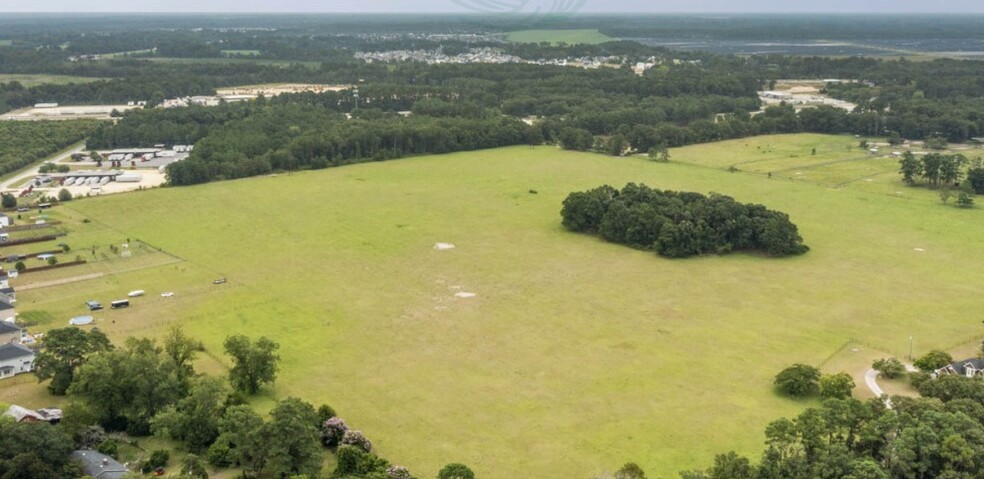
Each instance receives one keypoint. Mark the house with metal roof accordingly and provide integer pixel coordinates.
(23, 414)
(99, 466)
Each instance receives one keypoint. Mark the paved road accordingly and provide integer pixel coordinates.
(9, 184)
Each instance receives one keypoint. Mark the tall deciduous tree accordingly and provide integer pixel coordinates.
(242, 437)
(253, 363)
(837, 386)
(293, 440)
(182, 349)
(798, 380)
(910, 168)
(64, 350)
(126, 387)
(194, 420)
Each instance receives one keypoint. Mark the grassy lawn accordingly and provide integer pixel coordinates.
(241, 52)
(282, 63)
(571, 37)
(576, 355)
(34, 79)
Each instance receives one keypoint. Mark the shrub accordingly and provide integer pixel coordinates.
(325, 412)
(918, 378)
(109, 448)
(836, 386)
(890, 368)
(332, 431)
(20, 266)
(630, 470)
(219, 454)
(798, 380)
(455, 471)
(158, 459)
(8, 201)
(52, 261)
(90, 437)
(353, 461)
(357, 439)
(933, 360)
(192, 466)
(64, 195)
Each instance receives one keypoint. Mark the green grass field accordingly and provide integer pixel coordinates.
(6, 43)
(576, 355)
(570, 37)
(250, 53)
(35, 79)
(280, 63)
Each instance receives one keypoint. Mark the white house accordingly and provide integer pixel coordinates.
(4, 220)
(15, 358)
(7, 312)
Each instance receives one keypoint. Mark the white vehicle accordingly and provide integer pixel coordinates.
(134, 294)
(167, 294)
(69, 181)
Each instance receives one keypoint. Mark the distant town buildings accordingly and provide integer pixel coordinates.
(483, 55)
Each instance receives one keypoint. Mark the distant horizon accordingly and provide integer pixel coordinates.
(490, 14)
(506, 7)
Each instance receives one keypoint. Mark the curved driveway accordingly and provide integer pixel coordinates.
(871, 380)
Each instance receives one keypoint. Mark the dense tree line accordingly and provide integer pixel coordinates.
(919, 438)
(142, 387)
(292, 137)
(23, 143)
(680, 224)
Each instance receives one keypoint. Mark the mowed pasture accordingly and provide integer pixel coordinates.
(29, 80)
(587, 36)
(575, 356)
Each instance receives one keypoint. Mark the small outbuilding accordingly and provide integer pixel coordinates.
(23, 414)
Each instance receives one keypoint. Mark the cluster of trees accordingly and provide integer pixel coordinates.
(292, 137)
(800, 380)
(680, 224)
(944, 172)
(847, 438)
(35, 451)
(25, 142)
(143, 388)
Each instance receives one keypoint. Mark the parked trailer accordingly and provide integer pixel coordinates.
(69, 182)
(104, 180)
(120, 303)
(136, 293)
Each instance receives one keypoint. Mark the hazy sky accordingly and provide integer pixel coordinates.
(517, 6)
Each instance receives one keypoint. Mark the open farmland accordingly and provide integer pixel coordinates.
(29, 80)
(587, 36)
(575, 355)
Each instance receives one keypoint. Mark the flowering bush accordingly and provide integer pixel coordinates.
(332, 431)
(398, 472)
(357, 439)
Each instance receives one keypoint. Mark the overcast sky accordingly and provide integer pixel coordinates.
(517, 6)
